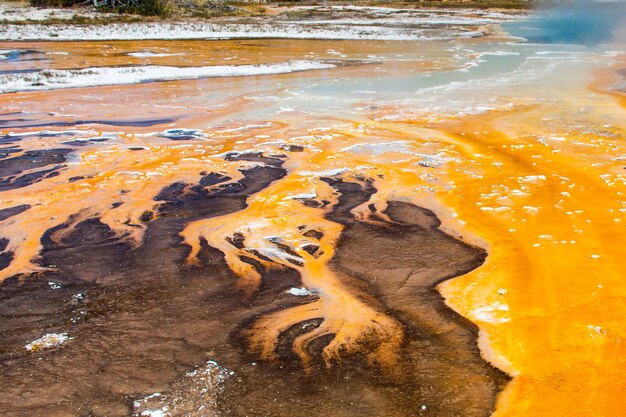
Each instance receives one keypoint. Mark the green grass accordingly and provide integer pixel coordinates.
(160, 8)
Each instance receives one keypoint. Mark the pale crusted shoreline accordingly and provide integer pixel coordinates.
(101, 76)
(170, 31)
(331, 23)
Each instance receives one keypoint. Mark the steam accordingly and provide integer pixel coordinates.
(583, 22)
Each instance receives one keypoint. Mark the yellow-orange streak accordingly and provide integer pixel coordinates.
(275, 218)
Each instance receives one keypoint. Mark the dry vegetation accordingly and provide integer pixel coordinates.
(208, 9)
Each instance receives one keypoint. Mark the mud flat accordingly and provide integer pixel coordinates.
(140, 318)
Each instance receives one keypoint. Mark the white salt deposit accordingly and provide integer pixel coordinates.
(148, 54)
(100, 76)
(47, 341)
(300, 292)
(400, 146)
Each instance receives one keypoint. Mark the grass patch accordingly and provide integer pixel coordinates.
(210, 13)
(160, 8)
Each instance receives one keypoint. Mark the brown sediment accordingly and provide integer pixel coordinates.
(395, 266)
(141, 318)
(17, 172)
(125, 123)
(12, 211)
